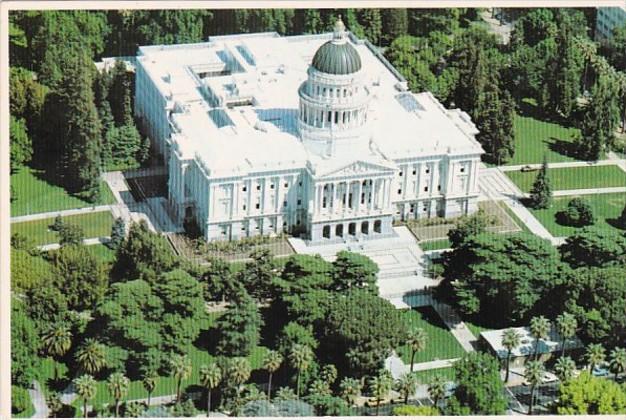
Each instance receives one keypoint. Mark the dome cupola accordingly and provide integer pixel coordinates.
(337, 56)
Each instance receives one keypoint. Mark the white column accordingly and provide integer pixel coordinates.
(360, 190)
(371, 195)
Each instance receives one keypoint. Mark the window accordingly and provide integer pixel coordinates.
(299, 202)
(298, 222)
(284, 204)
(438, 187)
(258, 206)
(462, 169)
(414, 172)
(300, 183)
(243, 228)
(258, 187)
(286, 185)
(244, 207)
(427, 170)
(244, 189)
(272, 185)
(425, 188)
(400, 191)
(400, 173)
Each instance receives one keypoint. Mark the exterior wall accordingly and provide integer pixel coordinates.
(151, 108)
(607, 19)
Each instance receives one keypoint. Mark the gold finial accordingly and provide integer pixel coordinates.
(340, 29)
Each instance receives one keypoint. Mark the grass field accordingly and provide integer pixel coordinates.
(103, 252)
(440, 344)
(93, 224)
(427, 376)
(606, 207)
(535, 138)
(33, 194)
(573, 178)
(436, 244)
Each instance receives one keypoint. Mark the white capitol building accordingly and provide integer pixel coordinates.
(314, 134)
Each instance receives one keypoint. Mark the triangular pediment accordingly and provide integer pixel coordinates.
(356, 168)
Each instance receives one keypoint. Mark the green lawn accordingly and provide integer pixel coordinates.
(440, 344)
(606, 207)
(535, 138)
(105, 253)
(475, 328)
(436, 244)
(35, 195)
(573, 178)
(93, 224)
(426, 376)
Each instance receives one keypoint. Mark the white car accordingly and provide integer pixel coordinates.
(548, 377)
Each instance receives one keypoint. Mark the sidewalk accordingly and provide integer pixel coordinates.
(90, 241)
(613, 161)
(456, 325)
(39, 401)
(63, 213)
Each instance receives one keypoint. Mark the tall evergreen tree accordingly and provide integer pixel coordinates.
(372, 24)
(541, 192)
(312, 21)
(395, 23)
(495, 122)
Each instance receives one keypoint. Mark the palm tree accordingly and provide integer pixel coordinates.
(329, 374)
(595, 355)
(118, 388)
(566, 325)
(437, 389)
(149, 382)
(407, 385)
(380, 386)
(271, 363)
(238, 372)
(91, 356)
(57, 341)
(618, 361)
(416, 341)
(350, 389)
(564, 368)
(534, 375)
(300, 358)
(180, 368)
(511, 338)
(540, 329)
(210, 377)
(86, 389)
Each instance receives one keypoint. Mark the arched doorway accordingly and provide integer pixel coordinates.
(365, 227)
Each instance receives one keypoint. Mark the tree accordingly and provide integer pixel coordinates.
(564, 368)
(79, 275)
(210, 377)
(424, 21)
(495, 124)
(589, 395)
(180, 369)
(617, 362)
(622, 218)
(57, 342)
(350, 389)
(118, 233)
(239, 328)
(395, 23)
(578, 213)
(71, 234)
(514, 276)
(354, 270)
(511, 338)
(329, 374)
(593, 247)
(25, 344)
(566, 326)
(540, 330)
(91, 356)
(300, 357)
(86, 389)
(412, 410)
(294, 333)
(118, 387)
(541, 191)
(594, 355)
(407, 385)
(54, 403)
(358, 331)
(142, 255)
(372, 24)
(597, 296)
(600, 118)
(479, 387)
(21, 146)
(237, 373)
(380, 386)
(271, 363)
(312, 21)
(534, 375)
(437, 389)
(416, 340)
(468, 226)
(258, 274)
(149, 382)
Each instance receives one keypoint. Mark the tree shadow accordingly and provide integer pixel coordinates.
(616, 223)
(562, 147)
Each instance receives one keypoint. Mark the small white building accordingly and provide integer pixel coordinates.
(313, 134)
(492, 342)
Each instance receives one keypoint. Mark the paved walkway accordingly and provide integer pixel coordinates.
(63, 213)
(455, 324)
(89, 241)
(39, 401)
(397, 367)
(614, 160)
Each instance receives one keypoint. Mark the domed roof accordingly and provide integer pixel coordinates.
(337, 56)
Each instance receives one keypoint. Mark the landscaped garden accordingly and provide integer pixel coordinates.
(34, 194)
(573, 178)
(606, 207)
(93, 225)
(440, 344)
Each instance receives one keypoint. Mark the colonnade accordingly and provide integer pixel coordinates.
(353, 196)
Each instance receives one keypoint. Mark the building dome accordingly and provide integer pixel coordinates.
(337, 56)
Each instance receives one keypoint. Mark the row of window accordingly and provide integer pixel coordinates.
(272, 186)
(427, 170)
(258, 205)
(334, 92)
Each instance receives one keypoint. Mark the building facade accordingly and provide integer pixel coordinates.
(607, 19)
(315, 135)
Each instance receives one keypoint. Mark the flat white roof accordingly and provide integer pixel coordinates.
(527, 342)
(235, 103)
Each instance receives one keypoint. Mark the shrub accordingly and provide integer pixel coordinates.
(412, 410)
(578, 213)
(20, 400)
